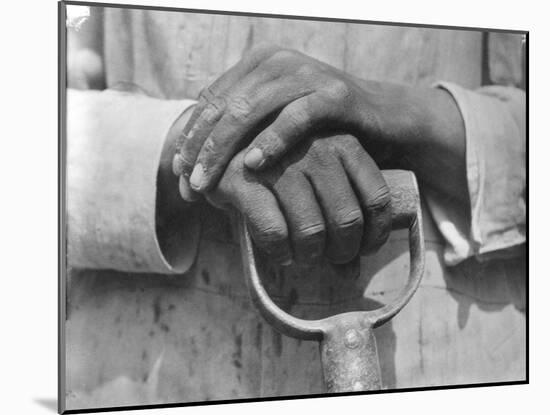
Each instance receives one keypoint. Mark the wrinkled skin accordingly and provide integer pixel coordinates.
(326, 198)
(296, 94)
(274, 98)
(270, 105)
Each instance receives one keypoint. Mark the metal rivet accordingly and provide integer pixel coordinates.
(352, 339)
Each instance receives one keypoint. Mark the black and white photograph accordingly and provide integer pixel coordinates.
(261, 207)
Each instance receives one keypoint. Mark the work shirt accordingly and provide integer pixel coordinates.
(146, 326)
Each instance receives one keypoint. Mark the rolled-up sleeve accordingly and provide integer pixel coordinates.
(495, 125)
(114, 142)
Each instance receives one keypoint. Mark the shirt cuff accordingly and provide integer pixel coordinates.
(114, 142)
(494, 121)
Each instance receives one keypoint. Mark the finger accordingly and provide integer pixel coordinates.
(185, 190)
(342, 213)
(210, 106)
(203, 123)
(183, 162)
(227, 80)
(306, 226)
(295, 121)
(266, 222)
(373, 193)
(248, 105)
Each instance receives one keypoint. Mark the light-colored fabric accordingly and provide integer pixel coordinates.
(144, 339)
(114, 143)
(175, 55)
(196, 48)
(141, 339)
(494, 120)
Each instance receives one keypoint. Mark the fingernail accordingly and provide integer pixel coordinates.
(177, 164)
(185, 190)
(197, 177)
(254, 159)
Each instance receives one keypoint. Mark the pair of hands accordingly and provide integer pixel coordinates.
(327, 196)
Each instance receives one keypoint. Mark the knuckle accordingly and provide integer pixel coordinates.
(346, 141)
(209, 149)
(283, 54)
(213, 110)
(337, 90)
(217, 105)
(349, 219)
(380, 200)
(298, 117)
(318, 148)
(206, 94)
(264, 49)
(310, 233)
(239, 110)
(379, 211)
(306, 70)
(271, 235)
(348, 145)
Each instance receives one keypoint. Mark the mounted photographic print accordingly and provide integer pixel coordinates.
(258, 207)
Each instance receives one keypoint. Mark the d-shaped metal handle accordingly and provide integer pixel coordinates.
(348, 346)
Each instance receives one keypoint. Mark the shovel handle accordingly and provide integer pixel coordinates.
(348, 347)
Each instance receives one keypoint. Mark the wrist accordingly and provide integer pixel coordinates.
(404, 126)
(389, 122)
(422, 130)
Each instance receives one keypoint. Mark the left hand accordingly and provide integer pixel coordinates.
(326, 198)
(276, 97)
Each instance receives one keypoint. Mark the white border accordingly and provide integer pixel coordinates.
(29, 204)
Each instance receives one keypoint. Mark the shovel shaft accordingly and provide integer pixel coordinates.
(350, 359)
(348, 347)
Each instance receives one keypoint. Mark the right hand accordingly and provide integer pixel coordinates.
(326, 198)
(270, 101)
(273, 99)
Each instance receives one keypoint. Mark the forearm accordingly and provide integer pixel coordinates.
(466, 147)
(418, 129)
(468, 150)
